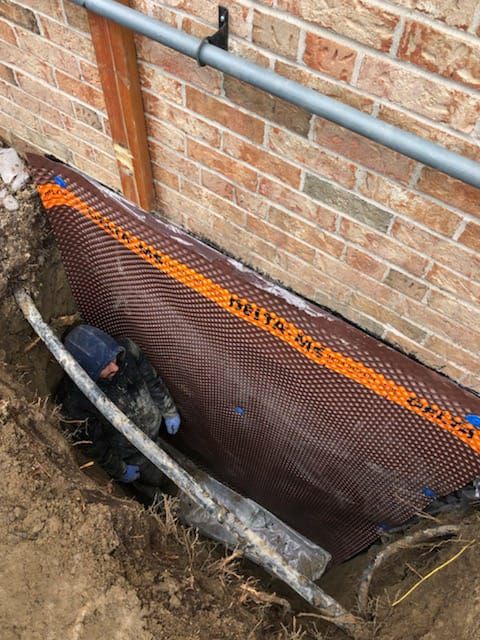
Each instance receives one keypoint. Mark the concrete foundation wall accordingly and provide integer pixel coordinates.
(391, 245)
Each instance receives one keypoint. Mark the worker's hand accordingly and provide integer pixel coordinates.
(132, 473)
(172, 424)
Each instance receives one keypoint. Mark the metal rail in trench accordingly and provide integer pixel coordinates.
(259, 547)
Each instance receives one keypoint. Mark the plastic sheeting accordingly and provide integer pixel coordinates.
(329, 429)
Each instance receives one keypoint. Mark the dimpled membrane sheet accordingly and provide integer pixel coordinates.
(337, 434)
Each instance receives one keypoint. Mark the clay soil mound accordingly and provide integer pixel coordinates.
(82, 560)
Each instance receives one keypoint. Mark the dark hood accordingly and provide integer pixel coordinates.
(92, 348)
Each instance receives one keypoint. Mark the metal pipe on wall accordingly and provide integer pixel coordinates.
(409, 144)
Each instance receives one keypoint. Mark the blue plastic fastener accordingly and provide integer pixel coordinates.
(429, 493)
(383, 526)
(60, 181)
(240, 411)
(473, 419)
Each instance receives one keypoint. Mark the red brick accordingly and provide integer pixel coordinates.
(223, 164)
(165, 177)
(439, 325)
(88, 116)
(296, 202)
(159, 13)
(413, 236)
(174, 117)
(174, 162)
(18, 14)
(360, 20)
(440, 52)
(49, 7)
(33, 106)
(451, 308)
(451, 353)
(308, 233)
(245, 50)
(471, 236)
(68, 38)
(168, 88)
(212, 202)
(6, 74)
(410, 204)
(168, 135)
(96, 148)
(447, 280)
(30, 64)
(7, 34)
(229, 117)
(261, 160)
(295, 148)
(439, 102)
(84, 92)
(450, 190)
(46, 52)
(208, 11)
(434, 360)
(252, 202)
(196, 28)
(405, 284)
(362, 150)
(340, 92)
(24, 115)
(383, 247)
(180, 67)
(386, 317)
(99, 171)
(451, 255)
(329, 57)
(410, 123)
(282, 241)
(364, 263)
(27, 139)
(267, 106)
(457, 13)
(176, 207)
(230, 239)
(275, 35)
(47, 94)
(76, 16)
(471, 380)
(89, 73)
(445, 253)
(218, 185)
(357, 280)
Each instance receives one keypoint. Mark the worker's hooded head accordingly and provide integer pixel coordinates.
(92, 348)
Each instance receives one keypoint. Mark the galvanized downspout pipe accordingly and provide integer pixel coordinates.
(258, 547)
(392, 137)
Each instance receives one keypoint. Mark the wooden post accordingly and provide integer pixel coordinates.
(117, 64)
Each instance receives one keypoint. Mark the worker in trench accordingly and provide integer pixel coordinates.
(128, 379)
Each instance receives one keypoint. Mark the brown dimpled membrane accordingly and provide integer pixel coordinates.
(336, 433)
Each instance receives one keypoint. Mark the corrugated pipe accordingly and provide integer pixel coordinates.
(392, 137)
(258, 546)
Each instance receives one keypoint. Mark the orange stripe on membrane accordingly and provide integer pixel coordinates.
(53, 195)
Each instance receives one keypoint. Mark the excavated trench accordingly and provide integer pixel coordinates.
(81, 554)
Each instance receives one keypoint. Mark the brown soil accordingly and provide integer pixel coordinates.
(80, 559)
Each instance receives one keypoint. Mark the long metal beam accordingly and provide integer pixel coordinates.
(408, 144)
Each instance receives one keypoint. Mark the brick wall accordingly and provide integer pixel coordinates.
(391, 245)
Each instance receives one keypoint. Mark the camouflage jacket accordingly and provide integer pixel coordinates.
(137, 390)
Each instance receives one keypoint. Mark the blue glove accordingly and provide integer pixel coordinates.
(132, 473)
(473, 419)
(172, 423)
